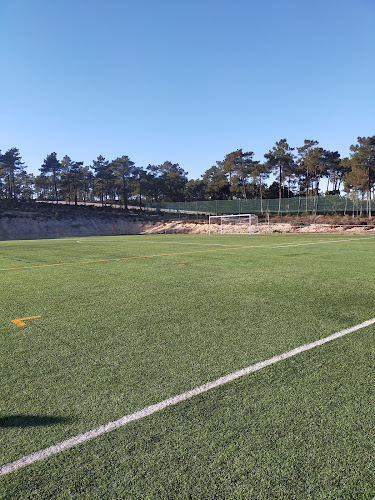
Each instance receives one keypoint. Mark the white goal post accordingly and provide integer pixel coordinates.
(233, 224)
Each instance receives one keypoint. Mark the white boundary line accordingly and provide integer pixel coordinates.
(361, 237)
(149, 410)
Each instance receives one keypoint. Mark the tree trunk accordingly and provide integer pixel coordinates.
(353, 214)
(244, 188)
(125, 195)
(369, 204)
(10, 187)
(307, 188)
(280, 174)
(14, 185)
(369, 193)
(55, 187)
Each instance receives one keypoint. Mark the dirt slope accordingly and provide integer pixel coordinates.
(62, 221)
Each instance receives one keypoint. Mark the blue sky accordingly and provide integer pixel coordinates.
(185, 81)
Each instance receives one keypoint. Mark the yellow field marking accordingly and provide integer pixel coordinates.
(191, 252)
(20, 321)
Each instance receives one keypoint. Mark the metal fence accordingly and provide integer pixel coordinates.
(297, 205)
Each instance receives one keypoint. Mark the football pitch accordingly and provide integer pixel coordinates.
(109, 345)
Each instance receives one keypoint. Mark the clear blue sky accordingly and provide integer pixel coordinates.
(183, 80)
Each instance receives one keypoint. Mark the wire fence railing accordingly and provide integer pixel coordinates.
(333, 204)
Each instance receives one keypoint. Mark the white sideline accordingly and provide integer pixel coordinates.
(365, 237)
(80, 438)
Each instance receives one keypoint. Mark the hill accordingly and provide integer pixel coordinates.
(34, 220)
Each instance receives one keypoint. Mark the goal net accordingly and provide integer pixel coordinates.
(233, 224)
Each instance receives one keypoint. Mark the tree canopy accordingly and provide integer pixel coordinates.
(291, 171)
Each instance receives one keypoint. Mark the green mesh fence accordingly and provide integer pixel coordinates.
(297, 205)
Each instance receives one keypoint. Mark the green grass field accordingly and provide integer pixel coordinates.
(128, 321)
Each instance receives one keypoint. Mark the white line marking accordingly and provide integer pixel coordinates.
(318, 242)
(149, 410)
(360, 237)
(188, 243)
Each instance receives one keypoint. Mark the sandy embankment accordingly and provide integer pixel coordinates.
(16, 225)
(32, 226)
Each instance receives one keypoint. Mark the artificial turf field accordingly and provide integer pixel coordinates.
(128, 321)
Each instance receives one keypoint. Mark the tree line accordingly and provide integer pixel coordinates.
(308, 170)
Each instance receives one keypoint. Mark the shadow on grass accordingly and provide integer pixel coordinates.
(32, 420)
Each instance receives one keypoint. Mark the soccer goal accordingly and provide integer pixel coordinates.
(233, 224)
